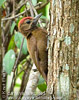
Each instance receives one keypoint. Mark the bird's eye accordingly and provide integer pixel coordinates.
(28, 21)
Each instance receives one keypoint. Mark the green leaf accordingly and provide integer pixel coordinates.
(43, 17)
(23, 8)
(1, 2)
(18, 40)
(12, 43)
(18, 19)
(12, 27)
(17, 85)
(41, 84)
(47, 11)
(8, 61)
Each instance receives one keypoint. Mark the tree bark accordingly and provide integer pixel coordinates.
(63, 53)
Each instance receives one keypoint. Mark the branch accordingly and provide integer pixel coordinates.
(13, 7)
(13, 17)
(15, 66)
(36, 7)
(25, 79)
(17, 9)
(32, 84)
(35, 12)
(40, 5)
(41, 96)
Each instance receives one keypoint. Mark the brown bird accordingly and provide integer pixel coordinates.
(36, 43)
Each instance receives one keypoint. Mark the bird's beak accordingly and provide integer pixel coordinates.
(36, 19)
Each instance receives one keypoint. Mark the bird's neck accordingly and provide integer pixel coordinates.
(28, 33)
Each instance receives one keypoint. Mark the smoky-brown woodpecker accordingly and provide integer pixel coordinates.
(36, 43)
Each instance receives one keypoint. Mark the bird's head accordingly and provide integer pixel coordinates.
(28, 23)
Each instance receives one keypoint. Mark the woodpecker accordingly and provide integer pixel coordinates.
(36, 42)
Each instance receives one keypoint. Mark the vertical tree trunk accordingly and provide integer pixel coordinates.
(63, 62)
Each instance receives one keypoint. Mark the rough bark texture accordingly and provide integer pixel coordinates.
(63, 53)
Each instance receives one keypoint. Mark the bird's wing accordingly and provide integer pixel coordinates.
(37, 57)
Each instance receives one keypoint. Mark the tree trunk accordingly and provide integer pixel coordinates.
(63, 53)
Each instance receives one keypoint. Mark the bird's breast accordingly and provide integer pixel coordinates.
(31, 45)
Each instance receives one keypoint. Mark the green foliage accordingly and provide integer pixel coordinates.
(18, 40)
(41, 84)
(12, 27)
(20, 67)
(22, 9)
(47, 10)
(8, 61)
(18, 19)
(43, 17)
(11, 43)
(1, 2)
(17, 85)
(43, 10)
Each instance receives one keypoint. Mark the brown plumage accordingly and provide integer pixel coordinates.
(36, 43)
